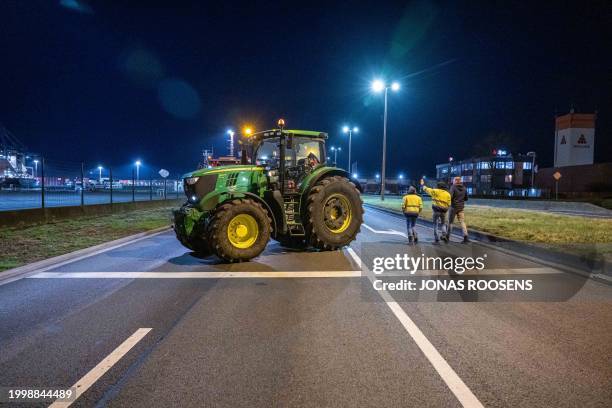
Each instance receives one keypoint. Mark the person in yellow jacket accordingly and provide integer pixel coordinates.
(440, 201)
(412, 205)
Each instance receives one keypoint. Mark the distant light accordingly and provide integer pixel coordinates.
(378, 85)
(355, 129)
(450, 159)
(395, 86)
(333, 148)
(264, 157)
(401, 176)
(355, 175)
(100, 167)
(377, 175)
(339, 149)
(36, 161)
(193, 198)
(345, 129)
(138, 162)
(230, 132)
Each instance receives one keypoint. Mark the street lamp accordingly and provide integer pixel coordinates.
(379, 86)
(336, 150)
(350, 131)
(100, 174)
(533, 157)
(138, 164)
(35, 168)
(231, 133)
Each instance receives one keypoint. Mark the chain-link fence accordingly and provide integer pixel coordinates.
(54, 183)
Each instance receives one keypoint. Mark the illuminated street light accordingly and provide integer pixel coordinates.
(378, 86)
(35, 168)
(401, 176)
(231, 134)
(377, 176)
(138, 164)
(350, 131)
(336, 150)
(100, 174)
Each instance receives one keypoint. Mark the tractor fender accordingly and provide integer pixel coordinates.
(255, 197)
(327, 172)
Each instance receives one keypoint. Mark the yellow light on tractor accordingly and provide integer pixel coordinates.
(248, 131)
(281, 123)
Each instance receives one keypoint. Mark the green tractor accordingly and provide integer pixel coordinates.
(287, 193)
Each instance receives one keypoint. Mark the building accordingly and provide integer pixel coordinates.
(502, 173)
(574, 139)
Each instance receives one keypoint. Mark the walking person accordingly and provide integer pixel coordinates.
(440, 201)
(412, 205)
(459, 196)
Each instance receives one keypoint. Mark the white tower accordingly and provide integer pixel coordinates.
(574, 139)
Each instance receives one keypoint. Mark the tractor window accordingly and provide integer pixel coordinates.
(268, 152)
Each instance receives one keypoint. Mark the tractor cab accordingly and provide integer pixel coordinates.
(288, 155)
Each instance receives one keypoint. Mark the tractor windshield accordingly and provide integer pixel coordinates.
(297, 153)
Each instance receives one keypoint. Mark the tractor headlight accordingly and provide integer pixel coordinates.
(191, 180)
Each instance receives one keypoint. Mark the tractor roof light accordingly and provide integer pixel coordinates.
(281, 123)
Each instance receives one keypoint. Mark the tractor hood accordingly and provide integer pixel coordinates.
(222, 169)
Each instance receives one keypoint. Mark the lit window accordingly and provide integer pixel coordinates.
(527, 166)
(508, 178)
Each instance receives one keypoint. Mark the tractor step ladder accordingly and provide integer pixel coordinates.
(292, 214)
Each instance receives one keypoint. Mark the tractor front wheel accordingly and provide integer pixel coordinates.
(239, 230)
(334, 213)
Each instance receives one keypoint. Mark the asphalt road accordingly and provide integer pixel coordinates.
(303, 329)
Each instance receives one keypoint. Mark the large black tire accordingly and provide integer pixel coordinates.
(218, 236)
(196, 241)
(328, 225)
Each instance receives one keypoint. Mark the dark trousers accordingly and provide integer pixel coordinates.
(411, 224)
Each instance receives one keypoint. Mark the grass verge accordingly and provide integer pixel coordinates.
(23, 245)
(566, 233)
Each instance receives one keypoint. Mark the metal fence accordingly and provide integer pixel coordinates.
(55, 183)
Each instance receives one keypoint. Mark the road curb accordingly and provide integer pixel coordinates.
(558, 260)
(20, 272)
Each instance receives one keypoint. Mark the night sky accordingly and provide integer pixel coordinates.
(114, 81)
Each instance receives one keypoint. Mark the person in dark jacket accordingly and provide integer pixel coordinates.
(459, 196)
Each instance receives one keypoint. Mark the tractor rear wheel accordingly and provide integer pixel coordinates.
(334, 213)
(239, 230)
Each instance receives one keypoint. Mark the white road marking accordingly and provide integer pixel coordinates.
(389, 232)
(446, 372)
(194, 275)
(98, 371)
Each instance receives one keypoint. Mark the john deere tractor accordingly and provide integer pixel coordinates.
(283, 190)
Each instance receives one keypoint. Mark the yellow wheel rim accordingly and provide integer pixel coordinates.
(338, 213)
(242, 231)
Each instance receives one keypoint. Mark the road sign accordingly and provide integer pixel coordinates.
(164, 173)
(557, 175)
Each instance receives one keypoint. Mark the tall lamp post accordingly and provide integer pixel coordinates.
(336, 150)
(379, 86)
(35, 168)
(138, 164)
(100, 174)
(231, 134)
(349, 130)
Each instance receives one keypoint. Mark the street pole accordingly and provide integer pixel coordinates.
(82, 184)
(150, 187)
(384, 152)
(349, 158)
(42, 178)
(133, 187)
(110, 176)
